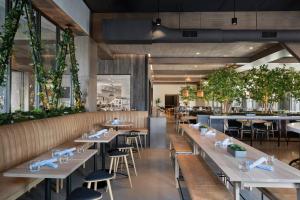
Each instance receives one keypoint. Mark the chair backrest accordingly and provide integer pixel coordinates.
(25, 140)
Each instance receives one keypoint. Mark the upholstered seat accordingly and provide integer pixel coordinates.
(116, 153)
(83, 193)
(99, 175)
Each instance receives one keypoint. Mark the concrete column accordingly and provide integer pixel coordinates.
(86, 54)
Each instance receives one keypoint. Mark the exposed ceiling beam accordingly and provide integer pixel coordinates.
(182, 72)
(264, 60)
(104, 52)
(293, 48)
(266, 52)
(197, 60)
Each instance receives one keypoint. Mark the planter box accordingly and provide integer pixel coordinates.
(235, 153)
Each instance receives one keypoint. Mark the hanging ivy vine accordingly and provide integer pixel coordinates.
(49, 84)
(66, 46)
(10, 26)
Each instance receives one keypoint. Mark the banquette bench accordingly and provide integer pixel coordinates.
(26, 140)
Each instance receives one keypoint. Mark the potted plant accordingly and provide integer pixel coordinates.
(203, 129)
(157, 102)
(225, 86)
(236, 150)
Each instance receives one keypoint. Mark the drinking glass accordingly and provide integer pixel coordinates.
(63, 159)
(244, 166)
(54, 152)
(80, 149)
(270, 159)
(32, 167)
(84, 135)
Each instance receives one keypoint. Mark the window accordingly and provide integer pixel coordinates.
(3, 90)
(23, 95)
(48, 41)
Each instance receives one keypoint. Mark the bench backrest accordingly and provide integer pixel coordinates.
(25, 140)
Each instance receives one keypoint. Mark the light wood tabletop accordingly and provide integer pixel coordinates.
(62, 172)
(104, 138)
(186, 118)
(122, 124)
(295, 127)
(283, 176)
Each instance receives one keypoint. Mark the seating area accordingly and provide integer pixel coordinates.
(149, 100)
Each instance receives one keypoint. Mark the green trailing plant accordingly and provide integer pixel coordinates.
(10, 27)
(66, 46)
(268, 86)
(225, 86)
(157, 102)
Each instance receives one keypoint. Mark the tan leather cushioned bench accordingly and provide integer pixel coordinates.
(280, 193)
(26, 140)
(200, 181)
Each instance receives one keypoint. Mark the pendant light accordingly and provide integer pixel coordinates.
(158, 19)
(185, 91)
(234, 20)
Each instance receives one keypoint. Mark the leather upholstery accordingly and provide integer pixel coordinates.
(23, 141)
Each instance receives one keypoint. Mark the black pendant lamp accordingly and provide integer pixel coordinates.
(234, 20)
(158, 19)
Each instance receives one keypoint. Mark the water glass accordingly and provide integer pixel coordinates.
(84, 135)
(80, 149)
(32, 167)
(244, 166)
(63, 159)
(270, 159)
(54, 151)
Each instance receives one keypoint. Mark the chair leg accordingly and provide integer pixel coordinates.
(89, 184)
(176, 172)
(140, 141)
(137, 147)
(61, 184)
(95, 185)
(111, 164)
(57, 185)
(133, 162)
(116, 164)
(109, 190)
(128, 172)
(145, 141)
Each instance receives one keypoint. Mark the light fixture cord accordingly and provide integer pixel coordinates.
(234, 8)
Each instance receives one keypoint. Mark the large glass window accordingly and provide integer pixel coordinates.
(2, 89)
(48, 37)
(23, 95)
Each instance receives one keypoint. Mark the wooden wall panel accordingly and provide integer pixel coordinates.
(136, 67)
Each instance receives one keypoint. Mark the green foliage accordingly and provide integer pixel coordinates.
(268, 86)
(7, 38)
(224, 85)
(294, 84)
(20, 116)
(157, 101)
(192, 93)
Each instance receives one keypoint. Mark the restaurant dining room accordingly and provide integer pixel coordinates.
(149, 99)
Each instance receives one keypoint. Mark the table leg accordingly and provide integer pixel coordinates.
(236, 191)
(252, 133)
(279, 132)
(47, 189)
(95, 158)
(102, 146)
(69, 185)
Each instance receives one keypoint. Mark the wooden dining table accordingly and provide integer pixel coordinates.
(102, 140)
(64, 170)
(283, 176)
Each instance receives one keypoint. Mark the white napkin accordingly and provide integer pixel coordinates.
(210, 133)
(223, 143)
(258, 162)
(196, 125)
(98, 134)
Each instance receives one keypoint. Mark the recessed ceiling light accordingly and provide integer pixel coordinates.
(151, 67)
(149, 55)
(197, 53)
(251, 48)
(188, 79)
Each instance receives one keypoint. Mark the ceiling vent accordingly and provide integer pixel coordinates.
(268, 34)
(188, 33)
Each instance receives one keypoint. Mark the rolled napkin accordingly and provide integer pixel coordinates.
(257, 162)
(98, 134)
(262, 166)
(224, 143)
(116, 122)
(64, 152)
(196, 125)
(53, 165)
(47, 162)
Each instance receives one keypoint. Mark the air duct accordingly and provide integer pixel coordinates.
(142, 32)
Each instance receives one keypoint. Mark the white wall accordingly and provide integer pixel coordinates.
(160, 90)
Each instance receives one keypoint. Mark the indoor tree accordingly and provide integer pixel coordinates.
(188, 93)
(225, 86)
(268, 86)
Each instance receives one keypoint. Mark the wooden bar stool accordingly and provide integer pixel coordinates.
(131, 139)
(99, 176)
(83, 193)
(128, 149)
(115, 156)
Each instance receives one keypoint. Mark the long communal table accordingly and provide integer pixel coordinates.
(279, 118)
(64, 170)
(283, 176)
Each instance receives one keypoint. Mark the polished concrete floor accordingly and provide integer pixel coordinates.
(155, 180)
